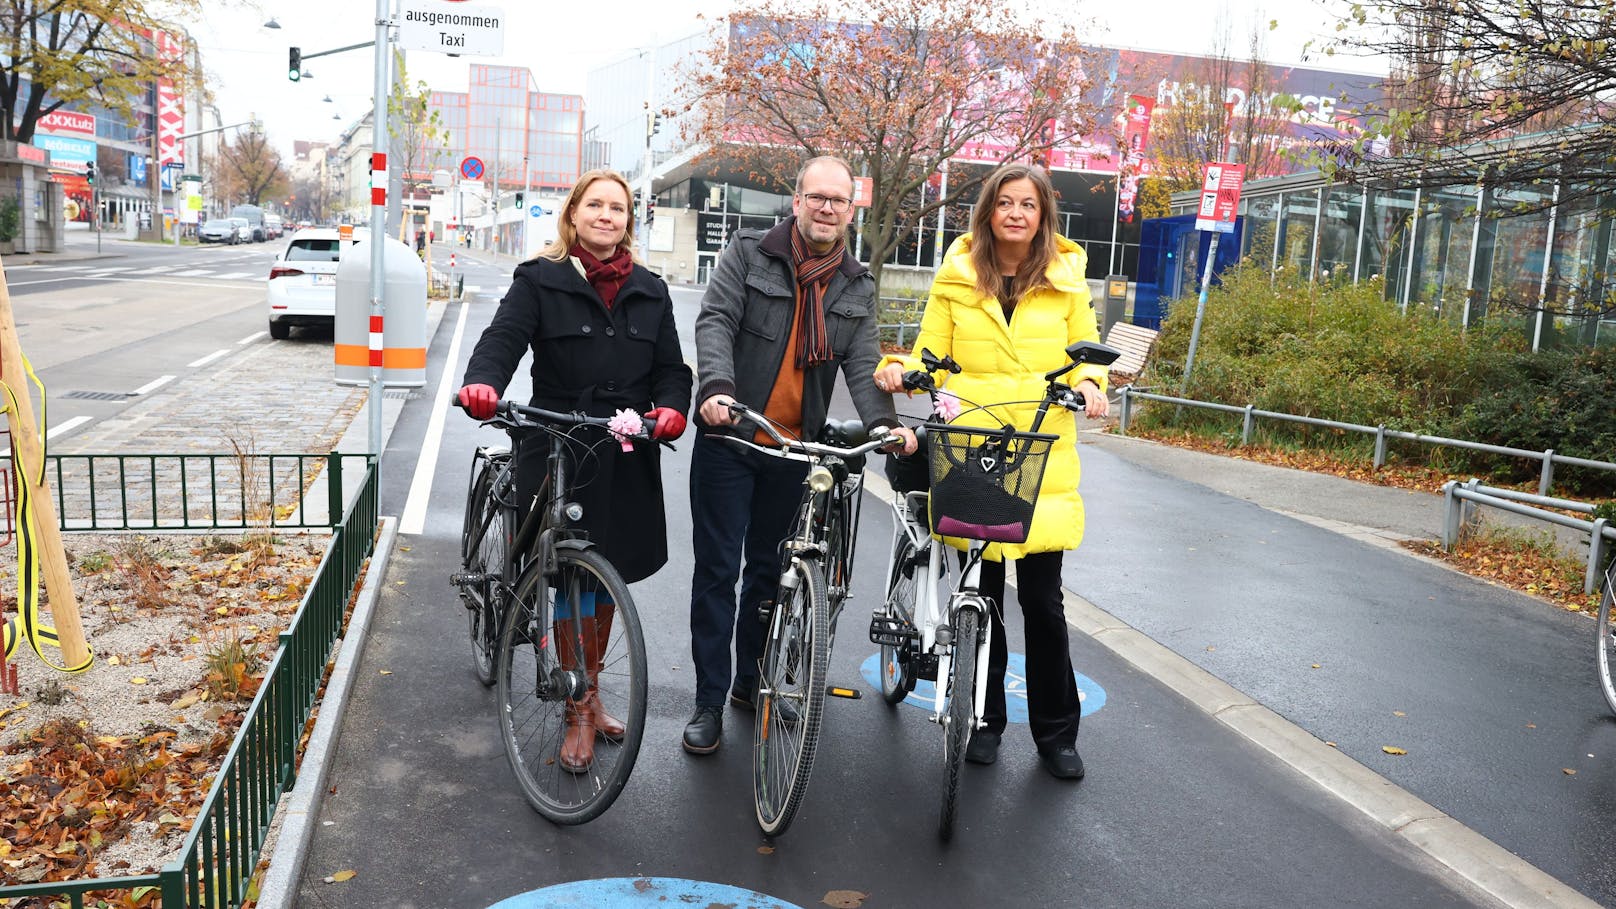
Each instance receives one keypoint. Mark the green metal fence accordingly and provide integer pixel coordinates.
(192, 491)
(219, 854)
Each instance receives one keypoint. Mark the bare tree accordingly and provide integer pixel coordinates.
(1504, 92)
(897, 87)
(250, 169)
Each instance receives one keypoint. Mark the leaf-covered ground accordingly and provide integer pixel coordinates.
(1517, 563)
(102, 773)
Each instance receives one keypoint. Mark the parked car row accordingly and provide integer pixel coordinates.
(240, 230)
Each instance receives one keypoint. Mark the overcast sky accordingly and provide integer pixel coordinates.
(561, 41)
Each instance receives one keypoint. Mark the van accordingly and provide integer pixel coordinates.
(255, 219)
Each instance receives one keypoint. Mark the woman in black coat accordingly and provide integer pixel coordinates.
(602, 334)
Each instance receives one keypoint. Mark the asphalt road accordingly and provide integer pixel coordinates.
(1176, 811)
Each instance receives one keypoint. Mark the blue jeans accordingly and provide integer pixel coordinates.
(740, 501)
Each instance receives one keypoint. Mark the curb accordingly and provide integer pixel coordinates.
(1478, 861)
(297, 815)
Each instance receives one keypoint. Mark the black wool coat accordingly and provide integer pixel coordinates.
(595, 360)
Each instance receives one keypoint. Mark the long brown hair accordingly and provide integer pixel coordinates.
(984, 258)
(566, 236)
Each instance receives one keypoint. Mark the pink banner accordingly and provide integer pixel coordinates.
(170, 109)
(1135, 133)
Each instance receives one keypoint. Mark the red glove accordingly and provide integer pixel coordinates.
(479, 400)
(670, 423)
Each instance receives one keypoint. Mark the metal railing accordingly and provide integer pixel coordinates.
(1455, 495)
(219, 855)
(1548, 458)
(899, 333)
(191, 491)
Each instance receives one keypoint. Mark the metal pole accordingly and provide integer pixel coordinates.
(493, 208)
(1200, 310)
(649, 165)
(378, 229)
(1111, 258)
(942, 193)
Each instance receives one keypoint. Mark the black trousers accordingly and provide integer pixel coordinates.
(1053, 707)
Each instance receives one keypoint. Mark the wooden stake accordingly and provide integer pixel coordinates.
(25, 439)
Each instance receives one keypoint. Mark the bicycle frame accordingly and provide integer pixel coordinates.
(933, 624)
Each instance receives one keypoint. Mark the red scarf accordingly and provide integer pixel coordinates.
(813, 274)
(605, 277)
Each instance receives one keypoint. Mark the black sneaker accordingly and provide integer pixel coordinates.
(984, 747)
(1062, 762)
(743, 693)
(705, 730)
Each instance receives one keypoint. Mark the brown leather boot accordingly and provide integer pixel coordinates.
(578, 747)
(597, 634)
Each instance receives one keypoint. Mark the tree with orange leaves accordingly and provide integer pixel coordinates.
(897, 87)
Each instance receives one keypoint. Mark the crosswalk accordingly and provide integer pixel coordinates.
(228, 270)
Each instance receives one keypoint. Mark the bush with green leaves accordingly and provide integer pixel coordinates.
(10, 219)
(1343, 352)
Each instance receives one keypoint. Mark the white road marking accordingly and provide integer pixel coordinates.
(209, 358)
(252, 337)
(413, 520)
(238, 275)
(153, 385)
(192, 273)
(64, 426)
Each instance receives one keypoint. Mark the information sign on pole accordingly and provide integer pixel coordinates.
(451, 28)
(1220, 196)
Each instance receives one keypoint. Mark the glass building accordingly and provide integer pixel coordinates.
(1463, 251)
(524, 137)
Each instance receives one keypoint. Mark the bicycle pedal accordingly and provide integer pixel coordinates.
(764, 610)
(890, 632)
(837, 691)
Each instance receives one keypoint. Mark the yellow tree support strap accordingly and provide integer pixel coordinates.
(33, 626)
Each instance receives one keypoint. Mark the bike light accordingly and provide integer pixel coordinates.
(574, 512)
(820, 480)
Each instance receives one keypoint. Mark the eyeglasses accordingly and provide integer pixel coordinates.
(837, 204)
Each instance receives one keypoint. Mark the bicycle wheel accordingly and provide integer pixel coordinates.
(791, 699)
(908, 564)
(1607, 639)
(961, 703)
(485, 546)
(571, 643)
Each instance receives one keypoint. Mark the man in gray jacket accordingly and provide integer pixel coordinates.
(784, 309)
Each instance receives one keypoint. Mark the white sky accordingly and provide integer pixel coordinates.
(562, 41)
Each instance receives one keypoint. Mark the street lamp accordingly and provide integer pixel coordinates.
(272, 23)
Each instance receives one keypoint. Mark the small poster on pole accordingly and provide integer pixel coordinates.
(1220, 196)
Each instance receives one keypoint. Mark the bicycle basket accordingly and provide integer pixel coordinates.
(984, 482)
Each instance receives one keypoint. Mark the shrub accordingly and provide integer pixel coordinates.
(10, 219)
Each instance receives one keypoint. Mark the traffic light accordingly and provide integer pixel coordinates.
(89, 172)
(519, 199)
(294, 64)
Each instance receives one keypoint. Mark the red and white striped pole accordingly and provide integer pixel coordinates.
(378, 226)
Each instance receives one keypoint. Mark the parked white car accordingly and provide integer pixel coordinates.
(303, 281)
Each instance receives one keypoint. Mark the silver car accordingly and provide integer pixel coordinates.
(218, 230)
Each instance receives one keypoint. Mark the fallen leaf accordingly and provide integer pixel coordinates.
(1392, 749)
(113, 661)
(187, 701)
(1331, 744)
(1398, 713)
(138, 680)
(390, 672)
(845, 899)
(765, 850)
(1210, 648)
(1531, 725)
(222, 610)
(340, 876)
(1568, 771)
(1318, 665)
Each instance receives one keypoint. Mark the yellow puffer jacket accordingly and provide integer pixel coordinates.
(1007, 362)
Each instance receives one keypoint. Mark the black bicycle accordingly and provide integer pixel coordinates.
(553, 626)
(816, 571)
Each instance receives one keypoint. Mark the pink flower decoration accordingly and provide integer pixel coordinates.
(625, 424)
(946, 406)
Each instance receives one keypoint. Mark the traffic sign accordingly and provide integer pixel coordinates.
(535, 211)
(471, 167)
(427, 25)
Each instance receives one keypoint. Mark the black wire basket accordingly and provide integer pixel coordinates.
(984, 482)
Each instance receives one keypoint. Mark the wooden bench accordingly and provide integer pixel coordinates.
(1135, 342)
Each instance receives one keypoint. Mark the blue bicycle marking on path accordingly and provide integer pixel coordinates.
(631, 892)
(1089, 692)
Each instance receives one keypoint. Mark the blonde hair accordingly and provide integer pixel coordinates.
(984, 253)
(561, 247)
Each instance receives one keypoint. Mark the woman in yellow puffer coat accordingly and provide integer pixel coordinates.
(1010, 297)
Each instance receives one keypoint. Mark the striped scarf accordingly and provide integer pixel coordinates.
(813, 274)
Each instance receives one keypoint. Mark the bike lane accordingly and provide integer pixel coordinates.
(1176, 810)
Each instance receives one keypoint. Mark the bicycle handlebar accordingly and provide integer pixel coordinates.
(797, 448)
(515, 415)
